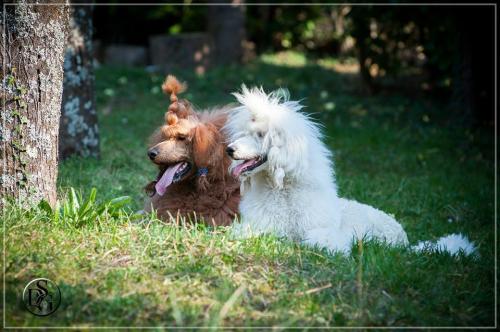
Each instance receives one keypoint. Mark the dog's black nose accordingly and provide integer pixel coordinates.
(152, 153)
(230, 151)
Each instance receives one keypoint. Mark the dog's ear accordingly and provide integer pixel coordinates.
(207, 153)
(286, 155)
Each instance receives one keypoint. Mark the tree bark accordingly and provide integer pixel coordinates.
(226, 25)
(360, 17)
(33, 46)
(78, 131)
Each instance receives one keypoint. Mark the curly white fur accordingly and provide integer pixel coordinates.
(294, 194)
(454, 244)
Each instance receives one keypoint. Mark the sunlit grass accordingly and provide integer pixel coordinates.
(285, 58)
(296, 60)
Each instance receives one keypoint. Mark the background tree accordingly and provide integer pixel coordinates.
(78, 132)
(32, 61)
(226, 24)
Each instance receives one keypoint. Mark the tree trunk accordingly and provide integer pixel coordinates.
(32, 67)
(78, 132)
(474, 80)
(361, 33)
(226, 25)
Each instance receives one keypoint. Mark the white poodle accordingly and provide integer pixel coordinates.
(287, 179)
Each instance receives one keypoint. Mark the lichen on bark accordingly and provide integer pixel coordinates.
(32, 53)
(78, 134)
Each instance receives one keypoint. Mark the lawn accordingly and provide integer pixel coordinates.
(404, 155)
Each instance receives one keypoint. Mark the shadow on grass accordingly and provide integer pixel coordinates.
(287, 285)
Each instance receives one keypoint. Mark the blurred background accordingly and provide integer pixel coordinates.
(444, 52)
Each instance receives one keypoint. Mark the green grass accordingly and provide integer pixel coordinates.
(402, 155)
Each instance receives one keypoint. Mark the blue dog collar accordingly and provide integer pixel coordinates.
(202, 171)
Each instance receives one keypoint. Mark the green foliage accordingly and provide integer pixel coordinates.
(304, 28)
(78, 211)
(18, 115)
(437, 48)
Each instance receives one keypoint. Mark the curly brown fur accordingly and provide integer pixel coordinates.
(172, 86)
(178, 109)
(194, 138)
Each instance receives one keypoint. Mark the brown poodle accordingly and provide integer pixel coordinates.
(189, 150)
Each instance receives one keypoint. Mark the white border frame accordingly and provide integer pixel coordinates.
(276, 4)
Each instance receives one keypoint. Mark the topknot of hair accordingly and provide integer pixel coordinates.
(172, 86)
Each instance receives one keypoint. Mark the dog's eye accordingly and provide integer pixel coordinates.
(181, 137)
(260, 134)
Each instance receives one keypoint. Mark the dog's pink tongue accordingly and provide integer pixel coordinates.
(166, 179)
(236, 171)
